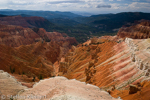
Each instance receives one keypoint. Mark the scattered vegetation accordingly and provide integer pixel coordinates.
(23, 73)
(35, 29)
(12, 70)
(40, 77)
(33, 79)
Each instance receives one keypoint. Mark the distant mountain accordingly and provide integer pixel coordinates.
(28, 22)
(67, 14)
(82, 13)
(64, 22)
(80, 27)
(6, 10)
(112, 21)
(45, 14)
(24, 15)
(2, 15)
(97, 25)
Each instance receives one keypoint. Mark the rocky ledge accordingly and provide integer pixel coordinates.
(56, 88)
(140, 53)
(60, 88)
(9, 86)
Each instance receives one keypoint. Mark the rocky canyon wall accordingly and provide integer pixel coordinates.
(139, 30)
(110, 63)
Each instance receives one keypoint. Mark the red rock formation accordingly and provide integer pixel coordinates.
(110, 63)
(143, 94)
(16, 35)
(29, 56)
(26, 22)
(23, 61)
(137, 31)
(107, 62)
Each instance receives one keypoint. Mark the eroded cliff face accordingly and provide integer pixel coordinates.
(26, 22)
(111, 64)
(140, 30)
(29, 60)
(140, 53)
(34, 60)
(31, 53)
(16, 35)
(141, 92)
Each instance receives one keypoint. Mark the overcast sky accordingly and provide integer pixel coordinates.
(92, 6)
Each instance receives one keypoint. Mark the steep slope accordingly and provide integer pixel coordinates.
(34, 53)
(34, 60)
(26, 60)
(141, 94)
(60, 88)
(140, 30)
(108, 62)
(9, 86)
(16, 35)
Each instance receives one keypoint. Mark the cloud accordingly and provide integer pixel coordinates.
(78, 5)
(19, 2)
(135, 0)
(139, 5)
(103, 6)
(71, 1)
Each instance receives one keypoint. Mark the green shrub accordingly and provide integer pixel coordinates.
(40, 77)
(12, 70)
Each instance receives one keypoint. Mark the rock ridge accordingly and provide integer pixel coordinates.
(140, 54)
(60, 88)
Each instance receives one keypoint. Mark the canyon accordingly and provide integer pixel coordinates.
(31, 52)
(54, 65)
(115, 64)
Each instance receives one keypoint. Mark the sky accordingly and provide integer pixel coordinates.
(90, 6)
